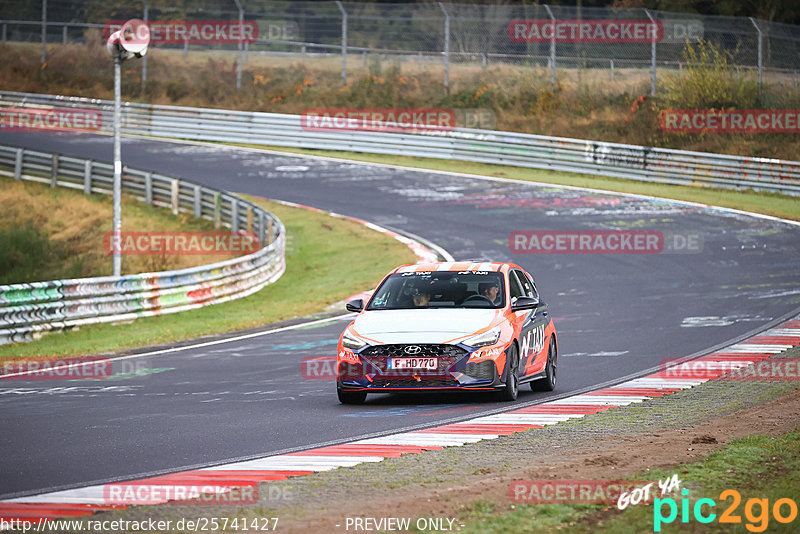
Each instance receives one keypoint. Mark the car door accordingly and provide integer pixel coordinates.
(533, 355)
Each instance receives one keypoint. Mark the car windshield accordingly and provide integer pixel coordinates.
(440, 289)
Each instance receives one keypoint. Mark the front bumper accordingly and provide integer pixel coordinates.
(454, 370)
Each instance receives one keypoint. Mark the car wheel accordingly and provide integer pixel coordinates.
(548, 383)
(511, 389)
(351, 397)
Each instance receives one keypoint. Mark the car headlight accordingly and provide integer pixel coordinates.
(489, 337)
(352, 342)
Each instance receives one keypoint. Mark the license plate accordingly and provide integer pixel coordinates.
(413, 363)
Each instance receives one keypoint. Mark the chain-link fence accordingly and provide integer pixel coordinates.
(567, 41)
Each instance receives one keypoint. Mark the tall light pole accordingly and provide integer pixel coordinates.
(130, 41)
(44, 32)
(239, 61)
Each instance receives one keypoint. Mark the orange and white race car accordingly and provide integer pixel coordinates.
(448, 326)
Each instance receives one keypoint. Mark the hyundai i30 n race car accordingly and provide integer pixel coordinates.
(448, 326)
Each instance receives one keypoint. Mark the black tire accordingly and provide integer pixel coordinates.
(351, 397)
(548, 383)
(511, 389)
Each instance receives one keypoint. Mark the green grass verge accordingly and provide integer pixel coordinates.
(774, 204)
(328, 259)
(57, 233)
(757, 467)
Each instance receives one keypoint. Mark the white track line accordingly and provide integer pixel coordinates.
(199, 345)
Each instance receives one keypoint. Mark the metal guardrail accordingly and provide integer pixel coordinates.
(26, 309)
(486, 146)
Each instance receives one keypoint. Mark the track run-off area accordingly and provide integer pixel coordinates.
(725, 276)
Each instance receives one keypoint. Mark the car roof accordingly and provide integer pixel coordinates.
(458, 266)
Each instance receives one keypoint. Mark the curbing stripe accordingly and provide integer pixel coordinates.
(757, 348)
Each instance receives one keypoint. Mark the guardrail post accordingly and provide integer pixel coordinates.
(54, 171)
(612, 69)
(87, 177)
(174, 191)
(18, 164)
(5, 29)
(652, 54)
(552, 47)
(446, 47)
(148, 188)
(64, 34)
(198, 198)
(269, 231)
(760, 56)
(234, 215)
(261, 228)
(344, 42)
(217, 210)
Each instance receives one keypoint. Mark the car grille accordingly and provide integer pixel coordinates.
(481, 371)
(405, 382)
(447, 355)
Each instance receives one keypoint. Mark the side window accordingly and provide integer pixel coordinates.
(535, 293)
(514, 286)
(527, 287)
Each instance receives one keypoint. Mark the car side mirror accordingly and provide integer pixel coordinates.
(355, 305)
(524, 303)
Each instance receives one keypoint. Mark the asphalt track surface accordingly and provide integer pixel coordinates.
(615, 314)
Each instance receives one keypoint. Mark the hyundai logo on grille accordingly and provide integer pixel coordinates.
(413, 349)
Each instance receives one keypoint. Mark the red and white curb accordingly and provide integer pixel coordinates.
(221, 479)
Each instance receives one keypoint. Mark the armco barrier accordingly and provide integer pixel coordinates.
(60, 304)
(486, 146)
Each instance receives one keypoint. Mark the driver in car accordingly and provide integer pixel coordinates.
(490, 290)
(421, 297)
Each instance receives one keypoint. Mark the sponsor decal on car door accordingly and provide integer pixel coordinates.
(532, 342)
(532, 335)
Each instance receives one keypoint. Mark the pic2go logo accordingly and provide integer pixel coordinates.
(758, 520)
